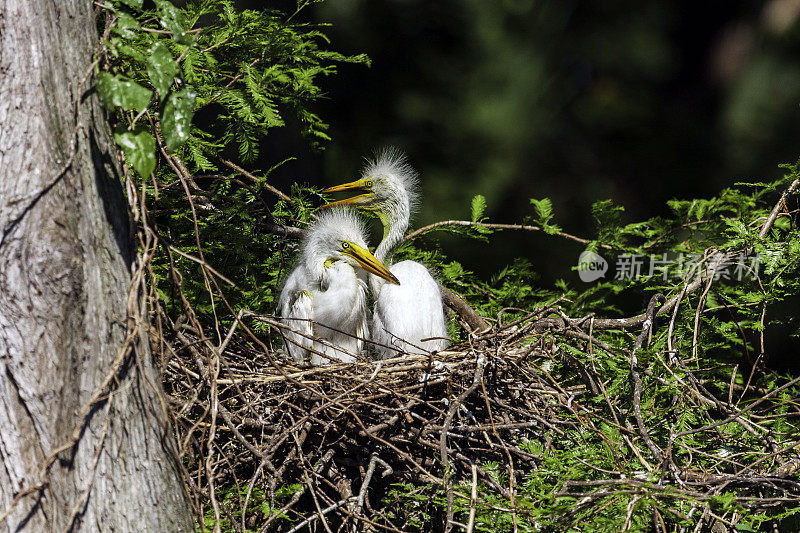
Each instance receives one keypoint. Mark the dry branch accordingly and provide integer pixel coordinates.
(490, 225)
(416, 417)
(308, 440)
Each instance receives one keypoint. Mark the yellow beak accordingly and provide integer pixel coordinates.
(363, 199)
(370, 263)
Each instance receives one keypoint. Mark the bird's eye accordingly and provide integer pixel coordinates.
(370, 183)
(345, 246)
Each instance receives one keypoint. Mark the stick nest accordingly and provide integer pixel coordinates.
(462, 430)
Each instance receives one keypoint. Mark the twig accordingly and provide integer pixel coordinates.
(236, 168)
(472, 497)
(715, 261)
(321, 513)
(781, 204)
(637, 379)
(451, 411)
(468, 223)
(362, 493)
(201, 262)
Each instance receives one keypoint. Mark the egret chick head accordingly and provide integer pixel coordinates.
(330, 230)
(393, 182)
(338, 235)
(389, 186)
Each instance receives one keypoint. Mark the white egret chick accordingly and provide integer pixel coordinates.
(325, 297)
(407, 313)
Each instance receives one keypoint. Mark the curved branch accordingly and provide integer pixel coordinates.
(455, 302)
(777, 209)
(468, 223)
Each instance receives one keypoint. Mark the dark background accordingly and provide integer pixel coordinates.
(578, 101)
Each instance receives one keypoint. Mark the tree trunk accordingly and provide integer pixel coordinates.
(84, 436)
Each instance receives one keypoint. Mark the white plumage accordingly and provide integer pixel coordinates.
(403, 318)
(404, 315)
(324, 298)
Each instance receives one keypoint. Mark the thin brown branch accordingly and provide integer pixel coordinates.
(519, 227)
(236, 168)
(779, 206)
(650, 314)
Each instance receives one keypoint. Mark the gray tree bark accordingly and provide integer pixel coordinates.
(84, 440)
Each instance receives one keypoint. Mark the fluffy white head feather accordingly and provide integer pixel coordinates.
(395, 185)
(325, 236)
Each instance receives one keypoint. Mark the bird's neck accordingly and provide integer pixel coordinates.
(395, 224)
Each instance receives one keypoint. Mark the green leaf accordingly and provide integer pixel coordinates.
(140, 149)
(478, 207)
(161, 68)
(607, 217)
(126, 26)
(544, 214)
(176, 119)
(453, 270)
(288, 490)
(136, 4)
(128, 51)
(724, 499)
(116, 91)
(544, 210)
(172, 19)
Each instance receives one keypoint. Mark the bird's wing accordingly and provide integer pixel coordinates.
(297, 310)
(340, 310)
(407, 313)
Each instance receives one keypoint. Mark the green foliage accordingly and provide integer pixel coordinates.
(737, 309)
(177, 118)
(478, 207)
(607, 218)
(161, 69)
(250, 72)
(544, 214)
(117, 91)
(259, 506)
(247, 72)
(139, 148)
(254, 66)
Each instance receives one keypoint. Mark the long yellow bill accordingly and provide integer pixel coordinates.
(370, 263)
(357, 186)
